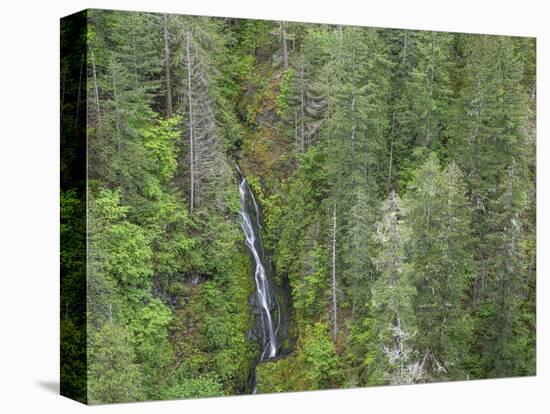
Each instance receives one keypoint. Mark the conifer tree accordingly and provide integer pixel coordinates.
(327, 123)
(440, 260)
(206, 167)
(507, 269)
(490, 136)
(487, 131)
(308, 104)
(393, 294)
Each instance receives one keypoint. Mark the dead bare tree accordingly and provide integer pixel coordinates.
(430, 95)
(302, 102)
(96, 93)
(191, 122)
(167, 67)
(284, 44)
(334, 287)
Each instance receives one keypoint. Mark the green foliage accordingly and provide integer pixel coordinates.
(74, 349)
(283, 99)
(114, 375)
(318, 357)
(363, 352)
(439, 286)
(309, 290)
(161, 141)
(392, 296)
(282, 375)
(149, 329)
(315, 365)
(194, 388)
(441, 265)
(119, 250)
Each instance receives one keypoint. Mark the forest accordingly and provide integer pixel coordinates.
(276, 206)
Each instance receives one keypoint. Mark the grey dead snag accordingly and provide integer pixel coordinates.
(96, 93)
(117, 124)
(82, 60)
(392, 134)
(284, 44)
(167, 67)
(296, 127)
(117, 112)
(430, 94)
(353, 96)
(334, 287)
(134, 52)
(191, 121)
(302, 102)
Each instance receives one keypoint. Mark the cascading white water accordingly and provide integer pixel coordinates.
(265, 296)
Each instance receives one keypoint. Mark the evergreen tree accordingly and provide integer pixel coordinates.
(487, 131)
(440, 260)
(306, 113)
(502, 315)
(393, 294)
(490, 133)
(324, 121)
(206, 166)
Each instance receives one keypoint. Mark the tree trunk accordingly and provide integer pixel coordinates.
(405, 47)
(391, 148)
(117, 113)
(167, 69)
(334, 307)
(96, 93)
(82, 60)
(136, 83)
(353, 93)
(296, 127)
(302, 104)
(118, 131)
(191, 138)
(430, 111)
(284, 45)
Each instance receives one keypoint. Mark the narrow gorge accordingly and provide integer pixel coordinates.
(265, 301)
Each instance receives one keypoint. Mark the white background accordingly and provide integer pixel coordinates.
(29, 156)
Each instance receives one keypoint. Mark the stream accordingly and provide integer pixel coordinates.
(266, 301)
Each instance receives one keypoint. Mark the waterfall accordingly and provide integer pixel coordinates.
(266, 300)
